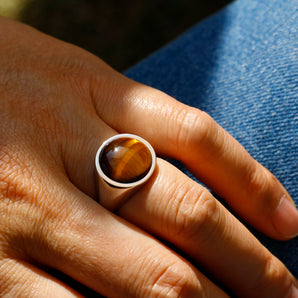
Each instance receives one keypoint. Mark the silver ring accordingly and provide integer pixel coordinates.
(123, 163)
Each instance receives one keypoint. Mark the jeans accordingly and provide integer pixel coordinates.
(240, 66)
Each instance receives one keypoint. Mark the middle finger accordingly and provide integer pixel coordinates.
(181, 211)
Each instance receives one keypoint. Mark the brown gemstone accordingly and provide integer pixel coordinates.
(125, 160)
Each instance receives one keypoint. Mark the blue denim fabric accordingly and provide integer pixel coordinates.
(240, 66)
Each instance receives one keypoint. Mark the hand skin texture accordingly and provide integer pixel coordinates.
(58, 103)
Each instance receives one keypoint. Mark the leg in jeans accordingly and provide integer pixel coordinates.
(240, 66)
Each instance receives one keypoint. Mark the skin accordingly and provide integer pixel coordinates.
(58, 104)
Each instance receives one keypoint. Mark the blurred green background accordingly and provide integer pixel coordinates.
(120, 32)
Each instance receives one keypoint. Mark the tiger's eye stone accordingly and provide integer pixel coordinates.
(125, 160)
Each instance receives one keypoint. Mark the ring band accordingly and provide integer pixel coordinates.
(123, 163)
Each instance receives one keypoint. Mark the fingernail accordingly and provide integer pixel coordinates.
(285, 219)
(293, 293)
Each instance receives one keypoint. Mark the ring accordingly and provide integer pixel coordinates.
(123, 163)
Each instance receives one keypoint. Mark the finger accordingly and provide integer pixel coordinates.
(214, 156)
(181, 211)
(108, 255)
(20, 279)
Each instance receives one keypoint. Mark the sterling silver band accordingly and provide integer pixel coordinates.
(111, 193)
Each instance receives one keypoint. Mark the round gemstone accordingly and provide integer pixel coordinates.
(125, 160)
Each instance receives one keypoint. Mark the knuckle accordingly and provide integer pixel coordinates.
(17, 181)
(274, 279)
(206, 127)
(10, 171)
(195, 127)
(196, 213)
(259, 182)
(256, 181)
(176, 280)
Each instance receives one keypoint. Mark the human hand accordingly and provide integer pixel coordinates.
(58, 104)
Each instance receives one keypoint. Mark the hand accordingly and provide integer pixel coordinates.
(58, 104)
